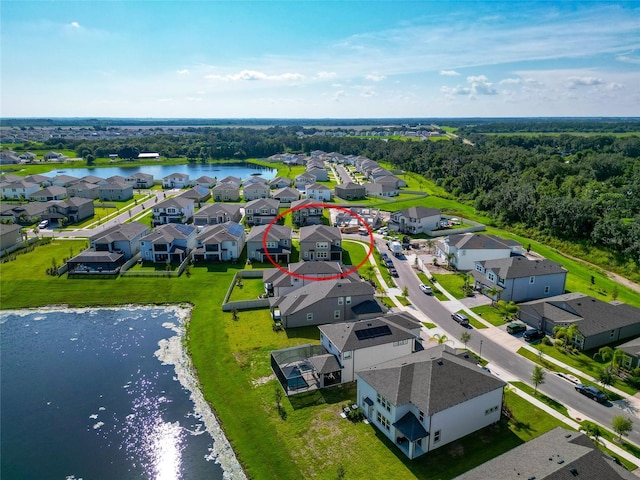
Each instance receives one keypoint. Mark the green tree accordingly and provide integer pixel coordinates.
(464, 338)
(570, 334)
(622, 426)
(405, 291)
(369, 270)
(606, 377)
(441, 338)
(494, 294)
(593, 431)
(615, 356)
(537, 377)
(450, 258)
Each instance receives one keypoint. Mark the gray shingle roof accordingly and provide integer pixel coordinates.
(308, 295)
(481, 241)
(125, 231)
(318, 233)
(275, 234)
(212, 209)
(557, 455)
(418, 212)
(520, 267)
(433, 380)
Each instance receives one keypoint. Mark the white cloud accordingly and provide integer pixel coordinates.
(368, 94)
(184, 71)
(449, 73)
(575, 82)
(510, 81)
(480, 85)
(255, 75)
(325, 75)
(374, 77)
(75, 24)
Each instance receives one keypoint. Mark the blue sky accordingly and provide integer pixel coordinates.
(312, 59)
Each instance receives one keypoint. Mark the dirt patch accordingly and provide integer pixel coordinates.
(262, 380)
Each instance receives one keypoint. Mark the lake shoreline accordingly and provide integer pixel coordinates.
(171, 351)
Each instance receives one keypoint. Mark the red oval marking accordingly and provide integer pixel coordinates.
(309, 277)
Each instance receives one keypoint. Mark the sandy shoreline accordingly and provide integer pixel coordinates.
(171, 351)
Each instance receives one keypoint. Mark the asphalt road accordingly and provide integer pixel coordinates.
(506, 360)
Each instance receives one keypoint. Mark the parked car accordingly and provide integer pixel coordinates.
(388, 262)
(533, 335)
(591, 392)
(393, 272)
(461, 318)
(425, 288)
(384, 256)
(43, 224)
(516, 327)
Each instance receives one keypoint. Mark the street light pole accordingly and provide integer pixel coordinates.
(480, 354)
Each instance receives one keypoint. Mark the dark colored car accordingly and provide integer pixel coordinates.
(393, 272)
(592, 392)
(388, 262)
(461, 318)
(516, 327)
(384, 256)
(533, 335)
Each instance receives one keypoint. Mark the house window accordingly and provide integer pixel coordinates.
(306, 254)
(489, 411)
(346, 355)
(421, 416)
(436, 437)
(348, 302)
(612, 333)
(383, 421)
(322, 245)
(532, 280)
(336, 314)
(419, 442)
(491, 277)
(322, 254)
(479, 268)
(272, 244)
(383, 402)
(310, 317)
(340, 300)
(400, 342)
(547, 289)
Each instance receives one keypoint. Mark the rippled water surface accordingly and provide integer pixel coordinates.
(100, 394)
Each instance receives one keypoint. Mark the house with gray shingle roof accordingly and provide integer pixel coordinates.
(261, 211)
(428, 399)
(631, 350)
(222, 242)
(50, 193)
(140, 180)
(277, 239)
(320, 242)
(304, 179)
(214, 213)
(168, 243)
(173, 210)
(350, 191)
(226, 191)
(20, 190)
(175, 180)
(519, 279)
(279, 182)
(599, 323)
(416, 219)
(318, 192)
(305, 213)
(323, 302)
(84, 190)
(556, 455)
(469, 248)
(381, 190)
(205, 181)
(255, 190)
(286, 195)
(115, 191)
(278, 282)
(10, 236)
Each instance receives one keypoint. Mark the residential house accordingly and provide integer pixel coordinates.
(72, 210)
(324, 302)
(429, 399)
(557, 454)
(390, 180)
(50, 193)
(64, 180)
(205, 181)
(261, 211)
(320, 242)
(140, 181)
(254, 180)
(92, 179)
(215, 213)
(378, 172)
(350, 191)
(382, 190)
(39, 179)
(318, 192)
(20, 190)
(198, 194)
(279, 282)
(518, 279)
(10, 236)
(25, 214)
(600, 323)
(226, 192)
(360, 345)
(279, 182)
(84, 190)
(175, 180)
(255, 190)
(286, 195)
(306, 212)
(231, 179)
(9, 157)
(276, 238)
(222, 242)
(115, 192)
(168, 243)
(11, 178)
(631, 351)
(109, 250)
(321, 174)
(173, 210)
(462, 251)
(415, 220)
(113, 179)
(53, 156)
(304, 179)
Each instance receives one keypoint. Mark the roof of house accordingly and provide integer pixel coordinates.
(145, 176)
(255, 180)
(92, 179)
(325, 363)
(317, 186)
(91, 256)
(364, 334)
(350, 186)
(433, 380)
(275, 234)
(557, 455)
(632, 347)
(176, 202)
(310, 270)
(286, 192)
(212, 209)
(227, 186)
(124, 231)
(65, 178)
(205, 179)
(310, 294)
(22, 183)
(176, 175)
(592, 316)
(196, 192)
(221, 232)
(380, 187)
(418, 212)
(470, 241)
(259, 203)
(8, 228)
(304, 202)
(315, 233)
(52, 191)
(521, 267)
(279, 180)
(260, 186)
(114, 186)
(169, 232)
(231, 179)
(306, 176)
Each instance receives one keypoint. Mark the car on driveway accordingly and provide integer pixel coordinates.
(461, 318)
(43, 224)
(516, 327)
(592, 392)
(533, 335)
(425, 288)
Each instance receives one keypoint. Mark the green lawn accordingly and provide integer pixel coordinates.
(557, 406)
(248, 289)
(490, 314)
(452, 283)
(529, 421)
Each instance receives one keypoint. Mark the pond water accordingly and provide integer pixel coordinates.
(241, 170)
(104, 394)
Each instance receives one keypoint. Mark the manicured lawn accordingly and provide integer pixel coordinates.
(557, 406)
(490, 314)
(354, 252)
(249, 289)
(452, 283)
(529, 421)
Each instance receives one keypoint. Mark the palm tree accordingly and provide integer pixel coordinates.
(570, 334)
(369, 270)
(615, 355)
(441, 338)
(465, 337)
(430, 245)
(606, 377)
(537, 377)
(450, 257)
(494, 294)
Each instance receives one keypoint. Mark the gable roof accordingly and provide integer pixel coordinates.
(212, 209)
(470, 241)
(169, 232)
(418, 212)
(124, 231)
(315, 233)
(221, 232)
(318, 186)
(177, 202)
(433, 380)
(286, 192)
(275, 234)
(262, 203)
(520, 267)
(557, 455)
(222, 185)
